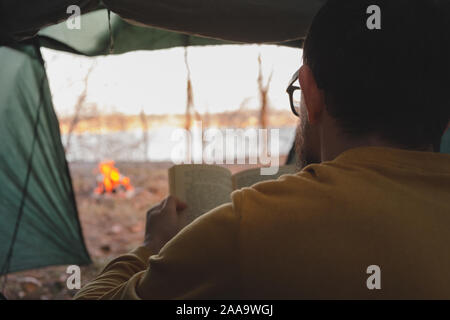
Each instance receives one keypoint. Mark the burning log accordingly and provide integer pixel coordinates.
(110, 181)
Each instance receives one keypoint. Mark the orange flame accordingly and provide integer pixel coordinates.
(112, 179)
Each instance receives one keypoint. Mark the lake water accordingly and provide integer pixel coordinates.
(165, 144)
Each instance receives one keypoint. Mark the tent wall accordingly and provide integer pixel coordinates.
(234, 20)
(21, 19)
(445, 143)
(39, 220)
(94, 36)
(248, 21)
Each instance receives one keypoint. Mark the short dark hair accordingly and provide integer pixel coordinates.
(395, 81)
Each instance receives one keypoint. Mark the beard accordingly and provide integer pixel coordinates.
(304, 142)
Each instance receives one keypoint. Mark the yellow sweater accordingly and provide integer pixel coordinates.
(310, 235)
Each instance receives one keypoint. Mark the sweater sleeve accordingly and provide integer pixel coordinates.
(200, 262)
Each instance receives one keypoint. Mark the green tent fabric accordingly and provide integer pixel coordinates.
(39, 220)
(94, 36)
(249, 21)
(22, 19)
(445, 143)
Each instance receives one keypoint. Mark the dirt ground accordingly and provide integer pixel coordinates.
(111, 226)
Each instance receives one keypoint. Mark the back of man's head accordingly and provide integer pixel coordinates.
(393, 82)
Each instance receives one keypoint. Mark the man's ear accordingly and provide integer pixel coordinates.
(314, 98)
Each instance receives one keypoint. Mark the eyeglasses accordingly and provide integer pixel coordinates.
(295, 93)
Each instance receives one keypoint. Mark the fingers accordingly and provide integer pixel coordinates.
(169, 204)
(157, 207)
(180, 205)
(175, 204)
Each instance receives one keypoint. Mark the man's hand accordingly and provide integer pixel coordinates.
(164, 221)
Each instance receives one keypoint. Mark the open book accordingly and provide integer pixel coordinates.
(204, 187)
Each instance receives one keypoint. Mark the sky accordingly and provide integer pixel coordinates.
(224, 78)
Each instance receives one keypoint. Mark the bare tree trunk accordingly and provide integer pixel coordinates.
(263, 94)
(206, 119)
(145, 140)
(78, 108)
(264, 99)
(189, 103)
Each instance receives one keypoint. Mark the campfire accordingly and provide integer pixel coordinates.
(110, 181)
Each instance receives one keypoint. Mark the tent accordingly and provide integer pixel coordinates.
(232, 20)
(39, 220)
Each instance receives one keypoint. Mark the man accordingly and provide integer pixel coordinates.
(367, 217)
